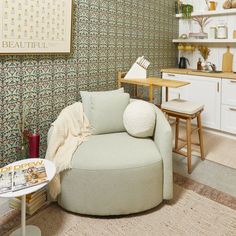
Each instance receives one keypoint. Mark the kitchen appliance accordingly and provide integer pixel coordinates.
(183, 62)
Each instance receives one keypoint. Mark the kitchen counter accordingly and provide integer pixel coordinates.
(224, 75)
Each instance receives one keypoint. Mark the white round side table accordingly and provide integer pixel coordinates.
(30, 230)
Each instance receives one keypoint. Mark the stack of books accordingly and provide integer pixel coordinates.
(34, 201)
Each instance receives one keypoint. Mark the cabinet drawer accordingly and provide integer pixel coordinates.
(175, 76)
(169, 76)
(229, 92)
(228, 119)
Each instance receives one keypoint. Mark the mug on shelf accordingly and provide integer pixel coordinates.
(212, 5)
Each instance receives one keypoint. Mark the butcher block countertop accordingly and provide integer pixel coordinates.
(224, 75)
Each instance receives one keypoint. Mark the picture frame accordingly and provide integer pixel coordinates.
(35, 27)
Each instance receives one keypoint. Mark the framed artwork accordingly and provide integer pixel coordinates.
(35, 26)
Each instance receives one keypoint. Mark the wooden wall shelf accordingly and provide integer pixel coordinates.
(212, 13)
(205, 41)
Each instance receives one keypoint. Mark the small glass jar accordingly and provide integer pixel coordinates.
(213, 33)
(222, 32)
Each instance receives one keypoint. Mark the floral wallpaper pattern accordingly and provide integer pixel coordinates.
(107, 37)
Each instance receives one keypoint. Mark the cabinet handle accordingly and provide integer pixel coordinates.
(233, 81)
(171, 75)
(232, 109)
(218, 87)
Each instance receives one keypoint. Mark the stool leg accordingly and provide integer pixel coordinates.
(189, 148)
(177, 134)
(199, 122)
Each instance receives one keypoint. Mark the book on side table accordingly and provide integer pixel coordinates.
(17, 177)
(34, 201)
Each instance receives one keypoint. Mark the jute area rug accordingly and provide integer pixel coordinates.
(188, 214)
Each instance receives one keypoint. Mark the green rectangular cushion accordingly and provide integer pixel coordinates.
(107, 112)
(86, 99)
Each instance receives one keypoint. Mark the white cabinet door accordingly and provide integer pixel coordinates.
(228, 119)
(207, 91)
(203, 90)
(229, 92)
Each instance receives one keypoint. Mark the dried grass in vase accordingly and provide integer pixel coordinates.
(204, 51)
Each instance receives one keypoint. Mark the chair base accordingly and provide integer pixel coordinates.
(112, 192)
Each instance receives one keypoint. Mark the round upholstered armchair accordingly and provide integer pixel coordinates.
(114, 173)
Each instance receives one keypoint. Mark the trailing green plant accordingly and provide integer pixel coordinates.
(187, 10)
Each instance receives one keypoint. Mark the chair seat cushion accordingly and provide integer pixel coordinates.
(115, 151)
(182, 106)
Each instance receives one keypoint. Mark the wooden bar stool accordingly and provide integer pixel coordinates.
(185, 110)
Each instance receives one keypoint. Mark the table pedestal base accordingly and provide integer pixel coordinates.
(30, 230)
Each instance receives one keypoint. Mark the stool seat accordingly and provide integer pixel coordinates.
(185, 110)
(182, 106)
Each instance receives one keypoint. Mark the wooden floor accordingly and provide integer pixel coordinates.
(218, 148)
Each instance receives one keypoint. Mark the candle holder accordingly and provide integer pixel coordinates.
(34, 141)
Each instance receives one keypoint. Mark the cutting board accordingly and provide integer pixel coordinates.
(227, 64)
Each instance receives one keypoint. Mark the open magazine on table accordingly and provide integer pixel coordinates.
(17, 177)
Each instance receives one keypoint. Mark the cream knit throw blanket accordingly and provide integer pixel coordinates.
(69, 130)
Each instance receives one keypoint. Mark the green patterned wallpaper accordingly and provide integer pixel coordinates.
(108, 36)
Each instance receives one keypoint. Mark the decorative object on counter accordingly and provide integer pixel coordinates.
(202, 21)
(199, 64)
(34, 140)
(234, 4)
(212, 6)
(213, 33)
(205, 52)
(227, 63)
(234, 34)
(187, 9)
(183, 62)
(227, 4)
(222, 32)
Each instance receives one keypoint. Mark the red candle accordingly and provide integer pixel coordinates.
(34, 140)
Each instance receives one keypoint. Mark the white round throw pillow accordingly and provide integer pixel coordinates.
(139, 119)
